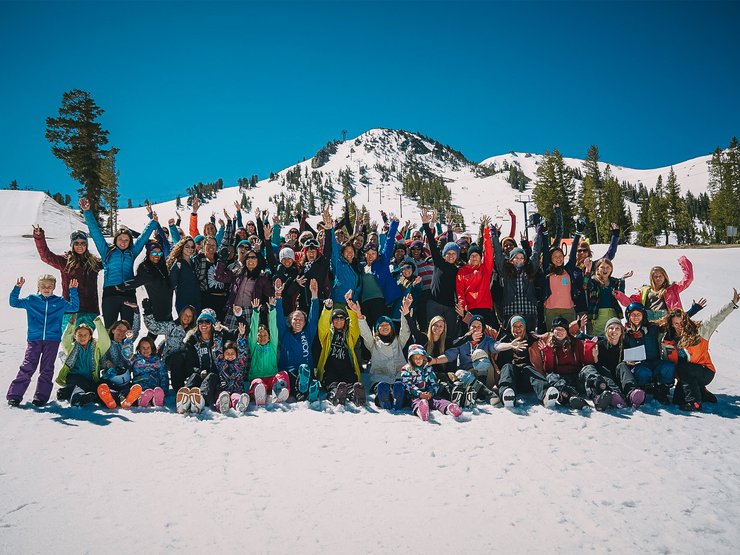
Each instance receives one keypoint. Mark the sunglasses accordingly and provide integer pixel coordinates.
(155, 253)
(80, 244)
(339, 317)
(582, 250)
(242, 247)
(251, 257)
(204, 323)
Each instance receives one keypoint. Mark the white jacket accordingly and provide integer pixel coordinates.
(386, 359)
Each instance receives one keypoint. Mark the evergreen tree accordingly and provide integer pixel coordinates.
(109, 187)
(724, 186)
(645, 230)
(77, 139)
(178, 202)
(658, 210)
(129, 204)
(614, 209)
(589, 200)
(554, 185)
(13, 185)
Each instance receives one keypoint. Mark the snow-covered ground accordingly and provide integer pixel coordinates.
(292, 479)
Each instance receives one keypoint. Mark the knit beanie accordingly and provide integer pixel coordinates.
(611, 321)
(514, 320)
(451, 246)
(474, 249)
(287, 252)
(208, 315)
(560, 322)
(506, 240)
(515, 251)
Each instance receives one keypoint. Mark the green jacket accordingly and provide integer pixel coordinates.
(264, 357)
(100, 346)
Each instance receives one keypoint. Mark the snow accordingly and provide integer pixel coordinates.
(295, 479)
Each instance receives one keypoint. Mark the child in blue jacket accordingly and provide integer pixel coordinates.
(149, 372)
(44, 312)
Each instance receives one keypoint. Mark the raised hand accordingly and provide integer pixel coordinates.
(154, 216)
(588, 264)
(221, 223)
(486, 221)
(272, 301)
(256, 304)
(348, 295)
(426, 218)
(301, 280)
(354, 307)
(329, 303)
(613, 226)
(627, 275)
(406, 305)
(226, 215)
(434, 217)
(279, 285)
(37, 231)
(701, 302)
(20, 281)
(460, 310)
(84, 204)
(73, 283)
(171, 221)
(196, 204)
(148, 206)
(242, 329)
(735, 296)
(236, 206)
(314, 288)
(518, 344)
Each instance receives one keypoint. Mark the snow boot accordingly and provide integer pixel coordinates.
(457, 395)
(280, 392)
(133, 394)
(398, 393)
(260, 394)
(383, 396)
(636, 398)
(146, 397)
(182, 400)
(158, 397)
(313, 391)
(454, 410)
(304, 378)
(602, 400)
(38, 403)
(422, 410)
(551, 397)
(243, 403)
(224, 402)
(509, 398)
(618, 401)
(106, 396)
(339, 396)
(660, 393)
(14, 402)
(693, 406)
(359, 397)
(197, 402)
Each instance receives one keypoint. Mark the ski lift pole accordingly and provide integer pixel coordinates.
(525, 199)
(400, 205)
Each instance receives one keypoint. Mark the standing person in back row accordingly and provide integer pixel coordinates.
(78, 263)
(118, 264)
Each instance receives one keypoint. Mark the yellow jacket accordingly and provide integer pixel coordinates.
(326, 333)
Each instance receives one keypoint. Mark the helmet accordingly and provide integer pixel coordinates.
(635, 306)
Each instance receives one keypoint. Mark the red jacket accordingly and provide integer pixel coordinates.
(474, 284)
(562, 360)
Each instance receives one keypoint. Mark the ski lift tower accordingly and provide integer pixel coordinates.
(525, 199)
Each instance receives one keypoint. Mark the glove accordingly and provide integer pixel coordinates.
(580, 225)
(223, 253)
(495, 232)
(146, 305)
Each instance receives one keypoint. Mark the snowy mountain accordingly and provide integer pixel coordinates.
(296, 479)
(379, 158)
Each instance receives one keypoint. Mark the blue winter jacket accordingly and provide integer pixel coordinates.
(118, 265)
(295, 348)
(380, 269)
(345, 276)
(45, 313)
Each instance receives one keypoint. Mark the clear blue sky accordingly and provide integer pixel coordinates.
(196, 91)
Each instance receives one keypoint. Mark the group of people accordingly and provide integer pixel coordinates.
(246, 313)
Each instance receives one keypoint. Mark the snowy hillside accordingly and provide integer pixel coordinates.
(692, 175)
(19, 210)
(381, 157)
(297, 480)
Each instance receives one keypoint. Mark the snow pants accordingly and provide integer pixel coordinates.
(620, 380)
(45, 352)
(691, 378)
(269, 382)
(75, 386)
(654, 371)
(513, 374)
(177, 365)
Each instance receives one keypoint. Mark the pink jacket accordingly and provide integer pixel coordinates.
(671, 295)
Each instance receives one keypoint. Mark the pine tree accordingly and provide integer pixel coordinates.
(645, 230)
(77, 139)
(109, 187)
(589, 200)
(724, 186)
(554, 185)
(178, 202)
(614, 209)
(13, 185)
(658, 211)
(129, 204)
